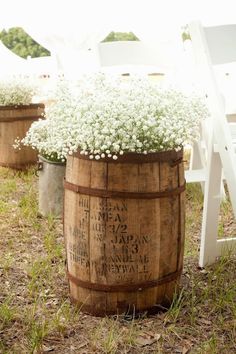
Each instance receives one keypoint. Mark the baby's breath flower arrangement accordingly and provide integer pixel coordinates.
(17, 91)
(118, 116)
(106, 117)
(54, 136)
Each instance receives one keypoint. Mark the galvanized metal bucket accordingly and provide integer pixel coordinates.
(51, 175)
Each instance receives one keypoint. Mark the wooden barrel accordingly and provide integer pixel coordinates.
(124, 230)
(14, 123)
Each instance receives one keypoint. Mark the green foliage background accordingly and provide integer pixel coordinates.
(120, 36)
(17, 40)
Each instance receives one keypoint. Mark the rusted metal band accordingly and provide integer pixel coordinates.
(16, 119)
(19, 166)
(172, 157)
(25, 106)
(122, 194)
(124, 287)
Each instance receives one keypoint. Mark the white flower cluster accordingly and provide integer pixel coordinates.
(53, 136)
(135, 115)
(103, 116)
(17, 91)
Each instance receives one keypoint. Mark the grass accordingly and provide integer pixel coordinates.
(36, 315)
(7, 312)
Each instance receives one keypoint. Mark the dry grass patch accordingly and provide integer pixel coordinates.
(36, 315)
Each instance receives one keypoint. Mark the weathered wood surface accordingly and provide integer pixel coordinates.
(118, 249)
(14, 123)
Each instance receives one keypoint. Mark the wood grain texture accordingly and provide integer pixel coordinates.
(122, 241)
(14, 123)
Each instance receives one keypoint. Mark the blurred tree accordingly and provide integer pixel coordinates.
(185, 33)
(17, 40)
(120, 36)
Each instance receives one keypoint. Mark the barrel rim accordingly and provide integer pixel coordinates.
(23, 106)
(133, 157)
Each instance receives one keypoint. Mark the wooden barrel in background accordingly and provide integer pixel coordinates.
(124, 230)
(14, 123)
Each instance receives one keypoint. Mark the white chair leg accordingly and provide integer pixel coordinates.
(197, 159)
(211, 209)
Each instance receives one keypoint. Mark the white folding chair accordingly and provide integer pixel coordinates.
(213, 46)
(137, 57)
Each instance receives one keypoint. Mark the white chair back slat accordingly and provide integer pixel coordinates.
(218, 38)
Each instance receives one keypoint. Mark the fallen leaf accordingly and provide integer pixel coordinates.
(204, 321)
(203, 271)
(147, 338)
(82, 345)
(185, 350)
(47, 349)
